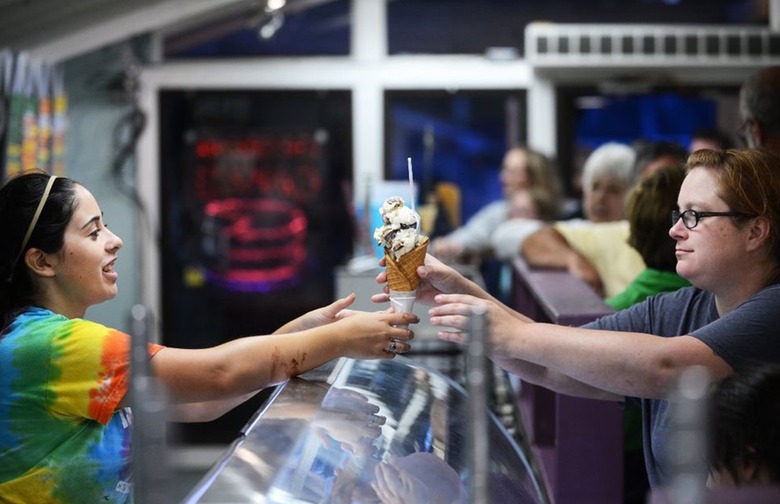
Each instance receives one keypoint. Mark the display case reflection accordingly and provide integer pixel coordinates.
(380, 431)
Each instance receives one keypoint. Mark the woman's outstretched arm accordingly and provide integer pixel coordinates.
(245, 365)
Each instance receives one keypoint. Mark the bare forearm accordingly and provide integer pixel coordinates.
(547, 248)
(620, 363)
(557, 382)
(628, 364)
(289, 327)
(243, 365)
(318, 317)
(207, 411)
(284, 356)
(247, 364)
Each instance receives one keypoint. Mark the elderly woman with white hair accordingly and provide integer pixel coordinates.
(607, 175)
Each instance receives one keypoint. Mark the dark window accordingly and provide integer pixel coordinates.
(670, 44)
(471, 27)
(733, 45)
(648, 45)
(542, 45)
(585, 45)
(606, 45)
(587, 119)
(691, 44)
(453, 137)
(563, 45)
(712, 44)
(278, 163)
(627, 44)
(774, 45)
(754, 45)
(322, 27)
(254, 215)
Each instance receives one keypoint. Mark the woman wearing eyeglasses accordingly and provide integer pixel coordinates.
(727, 234)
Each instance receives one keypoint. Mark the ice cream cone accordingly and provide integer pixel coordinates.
(402, 274)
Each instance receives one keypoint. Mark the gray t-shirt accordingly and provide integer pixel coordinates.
(749, 334)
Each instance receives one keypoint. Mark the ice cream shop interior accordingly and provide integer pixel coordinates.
(246, 152)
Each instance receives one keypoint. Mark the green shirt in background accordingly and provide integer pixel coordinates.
(648, 283)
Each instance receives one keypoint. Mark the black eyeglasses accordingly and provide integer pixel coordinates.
(691, 218)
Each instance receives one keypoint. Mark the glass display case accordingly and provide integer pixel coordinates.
(366, 431)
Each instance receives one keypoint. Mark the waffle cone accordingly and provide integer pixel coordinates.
(402, 274)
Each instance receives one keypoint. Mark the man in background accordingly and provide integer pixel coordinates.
(759, 105)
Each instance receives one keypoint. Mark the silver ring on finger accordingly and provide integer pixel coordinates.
(393, 347)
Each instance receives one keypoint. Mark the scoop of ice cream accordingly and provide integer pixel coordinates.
(399, 233)
(401, 217)
(390, 204)
(396, 214)
(404, 241)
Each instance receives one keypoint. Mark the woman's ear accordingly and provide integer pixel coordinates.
(39, 262)
(760, 229)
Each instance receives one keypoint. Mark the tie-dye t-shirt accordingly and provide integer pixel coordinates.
(62, 438)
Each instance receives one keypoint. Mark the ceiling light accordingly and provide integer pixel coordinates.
(269, 28)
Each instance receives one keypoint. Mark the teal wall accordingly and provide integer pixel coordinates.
(96, 104)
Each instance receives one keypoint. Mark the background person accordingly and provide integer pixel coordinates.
(759, 106)
(647, 207)
(744, 434)
(710, 138)
(533, 203)
(600, 259)
(521, 168)
(64, 423)
(652, 155)
(607, 175)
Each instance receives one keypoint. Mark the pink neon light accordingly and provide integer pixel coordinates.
(266, 241)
